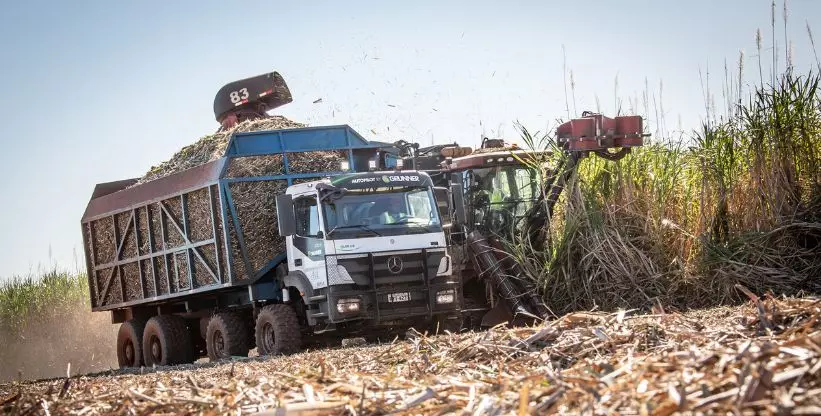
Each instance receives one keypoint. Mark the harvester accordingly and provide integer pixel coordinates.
(499, 187)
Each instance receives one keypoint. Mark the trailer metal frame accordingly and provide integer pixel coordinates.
(115, 199)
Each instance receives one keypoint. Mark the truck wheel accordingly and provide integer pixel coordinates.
(130, 343)
(166, 341)
(277, 330)
(227, 335)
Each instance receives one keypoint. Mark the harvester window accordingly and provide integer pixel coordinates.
(307, 217)
(500, 187)
(525, 183)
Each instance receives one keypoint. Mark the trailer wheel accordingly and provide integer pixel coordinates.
(227, 335)
(130, 342)
(277, 330)
(166, 341)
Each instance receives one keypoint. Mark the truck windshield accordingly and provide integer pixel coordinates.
(390, 211)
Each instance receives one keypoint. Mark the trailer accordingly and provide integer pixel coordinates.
(190, 263)
(186, 233)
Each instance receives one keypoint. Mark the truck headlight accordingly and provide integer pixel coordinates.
(445, 296)
(347, 305)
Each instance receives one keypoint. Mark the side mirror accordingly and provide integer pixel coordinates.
(442, 196)
(285, 215)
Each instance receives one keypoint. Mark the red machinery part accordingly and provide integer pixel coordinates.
(596, 132)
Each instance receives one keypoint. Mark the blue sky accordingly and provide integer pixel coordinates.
(95, 91)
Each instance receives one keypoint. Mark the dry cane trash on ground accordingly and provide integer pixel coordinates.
(764, 357)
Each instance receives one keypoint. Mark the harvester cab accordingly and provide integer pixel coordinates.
(250, 98)
(502, 189)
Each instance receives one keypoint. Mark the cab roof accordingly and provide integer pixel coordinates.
(368, 180)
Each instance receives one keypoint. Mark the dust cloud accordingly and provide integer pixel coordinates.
(45, 344)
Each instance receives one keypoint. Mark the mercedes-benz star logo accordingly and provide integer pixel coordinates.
(395, 264)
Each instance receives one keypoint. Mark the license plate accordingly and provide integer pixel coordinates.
(399, 297)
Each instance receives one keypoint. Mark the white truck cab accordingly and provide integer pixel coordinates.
(368, 246)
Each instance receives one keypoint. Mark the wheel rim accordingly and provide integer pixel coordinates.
(129, 352)
(156, 350)
(268, 341)
(219, 344)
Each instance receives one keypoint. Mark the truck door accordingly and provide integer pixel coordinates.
(307, 252)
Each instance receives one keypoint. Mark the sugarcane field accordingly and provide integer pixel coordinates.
(567, 209)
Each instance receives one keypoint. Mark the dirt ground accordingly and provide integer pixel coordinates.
(761, 358)
(45, 345)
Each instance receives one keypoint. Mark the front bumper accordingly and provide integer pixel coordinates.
(387, 292)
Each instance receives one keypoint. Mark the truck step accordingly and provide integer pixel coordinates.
(318, 298)
(319, 315)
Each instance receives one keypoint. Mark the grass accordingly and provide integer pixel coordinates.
(51, 292)
(48, 328)
(685, 221)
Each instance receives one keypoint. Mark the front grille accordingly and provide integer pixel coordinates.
(407, 267)
(379, 275)
(387, 268)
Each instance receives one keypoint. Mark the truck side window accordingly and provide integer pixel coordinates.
(307, 217)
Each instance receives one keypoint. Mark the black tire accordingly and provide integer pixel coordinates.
(277, 330)
(130, 343)
(227, 335)
(166, 341)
